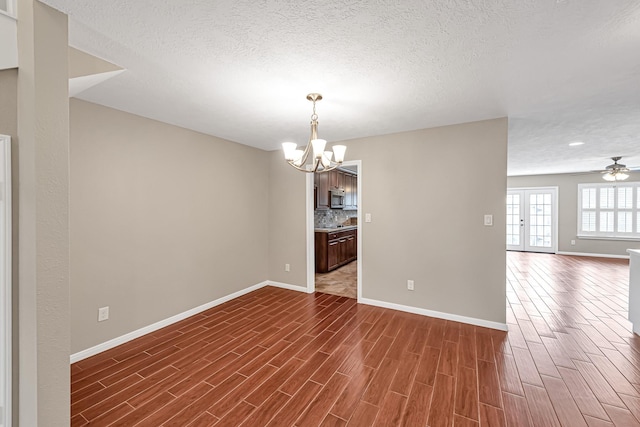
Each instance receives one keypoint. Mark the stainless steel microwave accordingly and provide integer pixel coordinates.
(336, 199)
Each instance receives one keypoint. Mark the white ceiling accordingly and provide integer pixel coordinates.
(562, 70)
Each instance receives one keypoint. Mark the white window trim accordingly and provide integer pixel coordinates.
(616, 235)
(11, 9)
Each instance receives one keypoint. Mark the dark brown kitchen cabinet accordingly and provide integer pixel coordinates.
(351, 192)
(348, 191)
(354, 191)
(351, 247)
(321, 181)
(333, 254)
(336, 179)
(335, 249)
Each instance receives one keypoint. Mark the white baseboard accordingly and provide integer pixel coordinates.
(76, 357)
(593, 255)
(437, 314)
(161, 324)
(92, 351)
(288, 286)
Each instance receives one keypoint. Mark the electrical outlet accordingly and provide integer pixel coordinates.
(410, 285)
(287, 267)
(103, 314)
(573, 243)
(367, 217)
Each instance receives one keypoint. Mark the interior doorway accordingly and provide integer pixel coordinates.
(532, 219)
(342, 274)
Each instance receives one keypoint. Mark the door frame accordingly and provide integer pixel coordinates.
(5, 286)
(555, 210)
(311, 255)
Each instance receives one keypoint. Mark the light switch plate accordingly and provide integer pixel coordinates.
(367, 217)
(488, 220)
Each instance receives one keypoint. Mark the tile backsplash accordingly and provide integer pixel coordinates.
(333, 217)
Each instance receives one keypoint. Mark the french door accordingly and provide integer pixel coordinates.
(532, 219)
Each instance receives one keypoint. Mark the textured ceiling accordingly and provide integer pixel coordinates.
(562, 70)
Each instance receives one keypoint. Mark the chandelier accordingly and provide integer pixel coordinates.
(322, 161)
(616, 171)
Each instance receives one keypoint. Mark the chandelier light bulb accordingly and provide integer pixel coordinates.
(338, 153)
(326, 159)
(318, 147)
(289, 149)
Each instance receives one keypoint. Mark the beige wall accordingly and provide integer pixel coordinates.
(82, 64)
(427, 191)
(287, 213)
(9, 126)
(568, 211)
(162, 220)
(8, 106)
(43, 196)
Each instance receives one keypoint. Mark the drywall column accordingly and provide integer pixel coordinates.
(634, 289)
(43, 162)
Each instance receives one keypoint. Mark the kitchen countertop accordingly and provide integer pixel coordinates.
(332, 230)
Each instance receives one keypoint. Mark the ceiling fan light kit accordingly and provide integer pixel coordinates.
(615, 171)
(322, 161)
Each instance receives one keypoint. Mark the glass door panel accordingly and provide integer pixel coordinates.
(514, 224)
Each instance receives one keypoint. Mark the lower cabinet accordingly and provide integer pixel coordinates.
(335, 249)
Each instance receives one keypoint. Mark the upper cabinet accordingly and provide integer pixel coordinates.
(348, 191)
(321, 181)
(352, 194)
(335, 179)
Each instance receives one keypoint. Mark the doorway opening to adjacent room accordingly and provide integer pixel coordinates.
(334, 237)
(532, 219)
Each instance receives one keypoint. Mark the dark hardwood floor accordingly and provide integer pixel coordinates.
(281, 358)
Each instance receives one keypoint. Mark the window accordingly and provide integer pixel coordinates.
(609, 210)
(7, 7)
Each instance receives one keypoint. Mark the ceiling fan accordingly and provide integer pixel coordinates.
(616, 171)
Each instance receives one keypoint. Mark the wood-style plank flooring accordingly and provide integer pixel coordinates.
(282, 358)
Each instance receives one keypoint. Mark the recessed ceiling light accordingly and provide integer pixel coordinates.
(574, 144)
